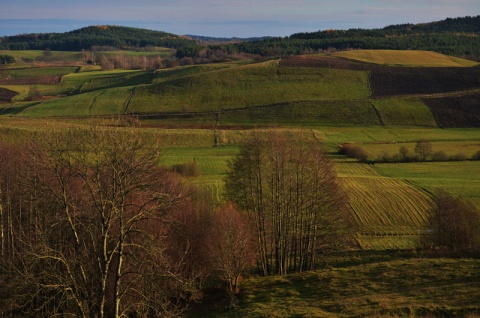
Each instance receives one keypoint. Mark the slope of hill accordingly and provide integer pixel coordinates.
(88, 37)
(368, 285)
(306, 90)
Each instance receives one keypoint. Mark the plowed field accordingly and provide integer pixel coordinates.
(6, 95)
(456, 112)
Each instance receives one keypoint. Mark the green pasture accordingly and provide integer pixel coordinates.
(404, 111)
(23, 54)
(167, 74)
(25, 58)
(298, 114)
(459, 177)
(77, 80)
(245, 87)
(118, 79)
(41, 71)
(102, 102)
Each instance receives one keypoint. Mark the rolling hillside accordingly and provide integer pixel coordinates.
(350, 88)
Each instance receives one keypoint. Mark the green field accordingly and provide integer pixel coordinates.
(249, 86)
(404, 111)
(459, 178)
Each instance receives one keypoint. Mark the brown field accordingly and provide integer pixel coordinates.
(455, 111)
(6, 95)
(394, 81)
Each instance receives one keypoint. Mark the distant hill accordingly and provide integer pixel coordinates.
(88, 37)
(453, 36)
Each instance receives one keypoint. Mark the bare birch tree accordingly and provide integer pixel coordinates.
(94, 241)
(291, 188)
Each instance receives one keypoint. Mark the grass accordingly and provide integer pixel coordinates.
(402, 287)
(459, 178)
(102, 102)
(405, 58)
(345, 113)
(249, 86)
(404, 111)
(41, 71)
(211, 163)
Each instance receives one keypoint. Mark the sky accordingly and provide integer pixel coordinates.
(225, 18)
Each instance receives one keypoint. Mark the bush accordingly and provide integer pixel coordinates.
(476, 156)
(439, 156)
(353, 151)
(423, 149)
(189, 169)
(453, 223)
(458, 157)
(6, 59)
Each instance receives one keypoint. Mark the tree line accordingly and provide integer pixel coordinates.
(422, 151)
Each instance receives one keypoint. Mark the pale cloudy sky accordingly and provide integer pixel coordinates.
(225, 18)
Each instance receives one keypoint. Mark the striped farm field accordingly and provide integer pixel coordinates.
(104, 102)
(382, 206)
(250, 86)
(459, 178)
(75, 81)
(404, 58)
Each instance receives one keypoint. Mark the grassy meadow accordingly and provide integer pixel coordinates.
(365, 285)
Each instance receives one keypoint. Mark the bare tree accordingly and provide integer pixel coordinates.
(423, 149)
(93, 239)
(454, 223)
(231, 248)
(291, 188)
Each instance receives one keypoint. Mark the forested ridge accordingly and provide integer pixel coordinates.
(453, 36)
(88, 37)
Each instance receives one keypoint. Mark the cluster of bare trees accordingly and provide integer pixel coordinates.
(290, 187)
(129, 62)
(90, 226)
(453, 223)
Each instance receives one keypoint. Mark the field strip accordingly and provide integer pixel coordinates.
(436, 95)
(378, 202)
